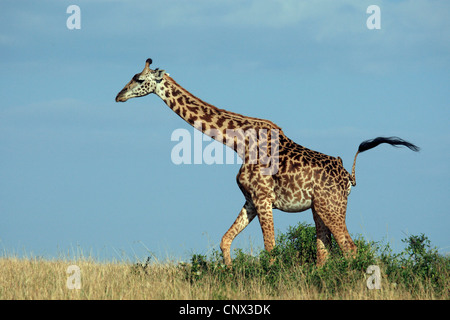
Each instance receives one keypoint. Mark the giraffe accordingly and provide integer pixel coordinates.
(292, 178)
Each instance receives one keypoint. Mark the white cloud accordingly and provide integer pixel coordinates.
(327, 32)
(327, 17)
(256, 13)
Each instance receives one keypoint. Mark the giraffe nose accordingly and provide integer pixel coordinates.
(120, 97)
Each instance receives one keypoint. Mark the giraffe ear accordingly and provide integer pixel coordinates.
(159, 74)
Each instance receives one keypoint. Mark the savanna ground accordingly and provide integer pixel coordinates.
(289, 272)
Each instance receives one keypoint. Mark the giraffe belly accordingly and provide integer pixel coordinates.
(294, 203)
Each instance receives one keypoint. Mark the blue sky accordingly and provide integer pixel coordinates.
(80, 172)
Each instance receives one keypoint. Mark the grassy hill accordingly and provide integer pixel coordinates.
(289, 272)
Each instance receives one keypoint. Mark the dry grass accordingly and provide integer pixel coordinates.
(287, 273)
(43, 280)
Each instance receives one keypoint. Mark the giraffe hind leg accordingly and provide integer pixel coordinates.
(246, 215)
(323, 239)
(332, 216)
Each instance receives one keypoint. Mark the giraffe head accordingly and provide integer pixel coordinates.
(142, 83)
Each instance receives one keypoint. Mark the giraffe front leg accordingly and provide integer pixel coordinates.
(246, 215)
(265, 216)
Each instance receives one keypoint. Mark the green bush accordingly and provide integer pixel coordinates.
(292, 261)
(419, 265)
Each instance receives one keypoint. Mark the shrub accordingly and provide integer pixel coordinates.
(292, 263)
(418, 266)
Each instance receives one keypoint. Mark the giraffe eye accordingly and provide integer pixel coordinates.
(136, 78)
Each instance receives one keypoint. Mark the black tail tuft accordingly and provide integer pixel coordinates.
(369, 144)
(394, 141)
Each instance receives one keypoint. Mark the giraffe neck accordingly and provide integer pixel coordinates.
(224, 126)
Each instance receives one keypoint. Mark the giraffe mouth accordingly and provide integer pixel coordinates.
(121, 97)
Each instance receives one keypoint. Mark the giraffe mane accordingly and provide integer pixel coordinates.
(223, 112)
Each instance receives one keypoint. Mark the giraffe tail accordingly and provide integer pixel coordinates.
(369, 144)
